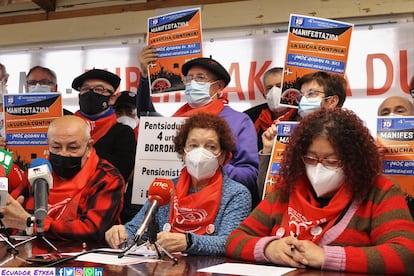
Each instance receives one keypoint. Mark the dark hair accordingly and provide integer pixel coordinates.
(206, 121)
(274, 70)
(4, 74)
(48, 71)
(333, 84)
(353, 144)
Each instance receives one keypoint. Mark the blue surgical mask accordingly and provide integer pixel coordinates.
(197, 93)
(308, 105)
(39, 88)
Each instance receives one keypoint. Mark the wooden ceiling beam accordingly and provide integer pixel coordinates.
(47, 5)
(71, 13)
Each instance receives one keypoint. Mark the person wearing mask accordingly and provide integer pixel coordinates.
(204, 80)
(318, 90)
(113, 141)
(87, 194)
(264, 114)
(126, 113)
(397, 106)
(331, 209)
(41, 79)
(126, 110)
(212, 203)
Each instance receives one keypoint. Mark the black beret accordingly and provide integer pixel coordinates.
(97, 74)
(209, 64)
(126, 98)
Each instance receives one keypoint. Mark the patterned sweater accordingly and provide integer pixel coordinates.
(376, 236)
(94, 210)
(235, 206)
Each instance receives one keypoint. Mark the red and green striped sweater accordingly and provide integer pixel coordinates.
(377, 236)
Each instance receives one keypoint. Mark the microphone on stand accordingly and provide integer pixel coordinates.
(40, 177)
(159, 193)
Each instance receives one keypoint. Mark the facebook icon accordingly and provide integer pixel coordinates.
(59, 271)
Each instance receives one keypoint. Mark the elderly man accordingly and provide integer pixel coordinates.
(396, 105)
(113, 141)
(87, 194)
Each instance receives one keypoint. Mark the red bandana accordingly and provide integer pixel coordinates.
(306, 219)
(215, 107)
(195, 213)
(99, 127)
(265, 119)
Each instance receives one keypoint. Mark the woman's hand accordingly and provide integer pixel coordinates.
(172, 242)
(2, 142)
(281, 252)
(147, 56)
(312, 253)
(116, 235)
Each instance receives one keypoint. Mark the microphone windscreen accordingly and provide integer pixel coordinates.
(39, 162)
(161, 189)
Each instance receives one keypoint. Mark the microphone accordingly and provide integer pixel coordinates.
(159, 194)
(4, 187)
(40, 177)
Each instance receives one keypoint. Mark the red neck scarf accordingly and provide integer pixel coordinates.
(195, 213)
(65, 195)
(99, 127)
(305, 218)
(215, 107)
(266, 118)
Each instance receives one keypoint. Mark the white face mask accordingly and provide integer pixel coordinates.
(273, 98)
(201, 163)
(126, 120)
(307, 106)
(39, 88)
(197, 93)
(324, 181)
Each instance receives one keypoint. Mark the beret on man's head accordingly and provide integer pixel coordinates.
(126, 98)
(97, 74)
(209, 64)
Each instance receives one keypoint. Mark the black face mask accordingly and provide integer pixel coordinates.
(92, 103)
(65, 167)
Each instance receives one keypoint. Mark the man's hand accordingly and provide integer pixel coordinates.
(267, 138)
(15, 216)
(147, 56)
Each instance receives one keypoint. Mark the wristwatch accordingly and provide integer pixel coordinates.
(189, 240)
(29, 225)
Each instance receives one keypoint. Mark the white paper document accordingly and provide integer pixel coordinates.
(247, 269)
(112, 259)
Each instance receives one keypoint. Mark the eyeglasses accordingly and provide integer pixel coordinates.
(97, 89)
(197, 78)
(312, 93)
(329, 163)
(41, 82)
(412, 92)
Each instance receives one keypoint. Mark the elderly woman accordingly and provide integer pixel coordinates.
(217, 203)
(331, 208)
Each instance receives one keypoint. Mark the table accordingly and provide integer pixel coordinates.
(187, 265)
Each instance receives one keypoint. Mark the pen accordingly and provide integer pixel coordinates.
(292, 246)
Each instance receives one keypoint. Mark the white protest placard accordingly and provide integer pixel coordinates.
(156, 156)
